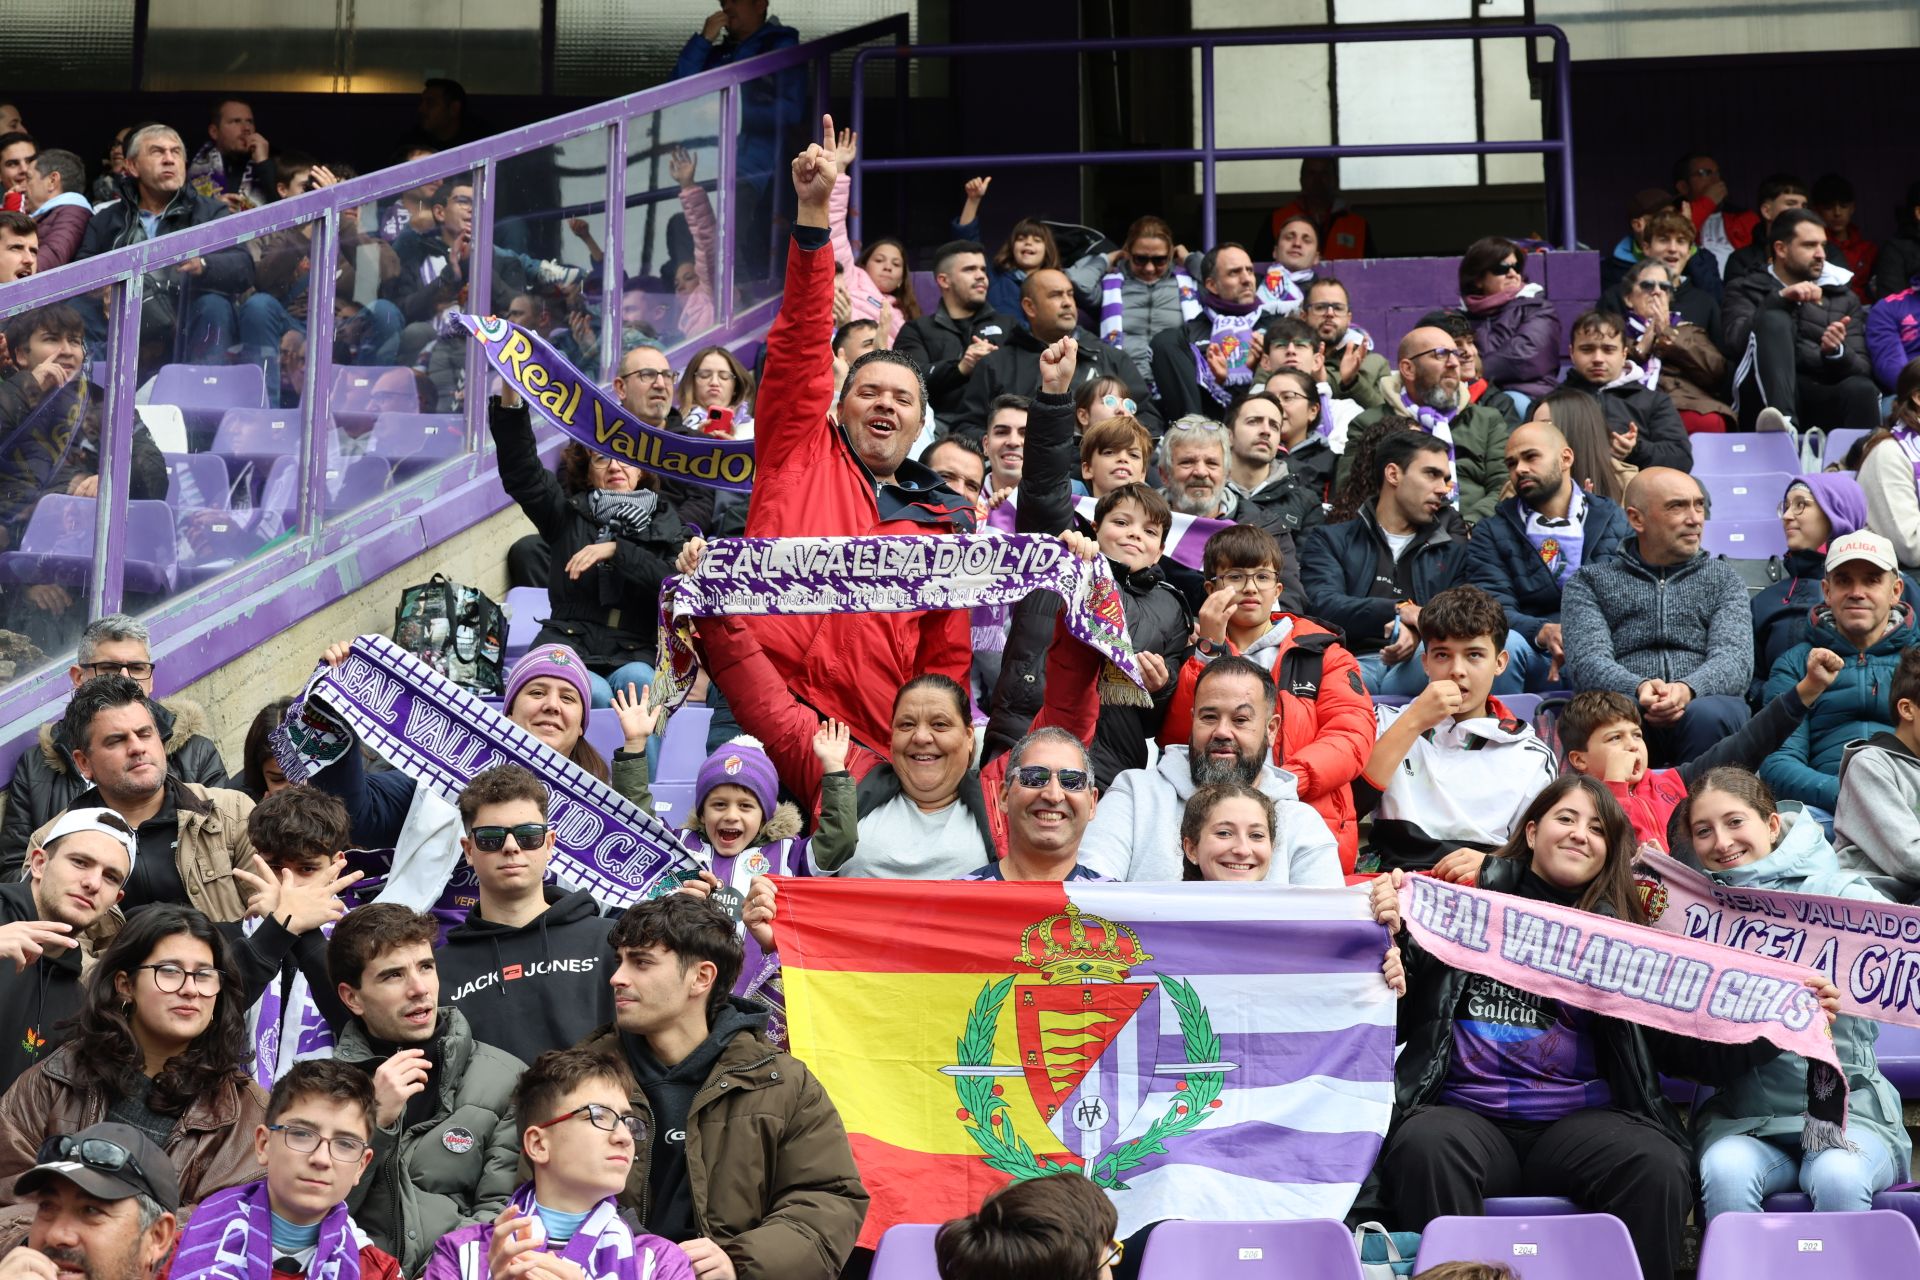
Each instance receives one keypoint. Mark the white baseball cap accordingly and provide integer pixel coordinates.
(105, 821)
(1862, 545)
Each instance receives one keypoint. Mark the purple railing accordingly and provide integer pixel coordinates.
(199, 629)
(1209, 156)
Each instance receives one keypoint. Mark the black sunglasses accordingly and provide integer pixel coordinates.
(1149, 259)
(95, 1153)
(526, 835)
(1507, 266)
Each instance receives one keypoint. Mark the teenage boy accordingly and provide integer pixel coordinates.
(1644, 429)
(1326, 716)
(1470, 769)
(1876, 824)
(444, 1150)
(528, 967)
(747, 1164)
(315, 1145)
(581, 1151)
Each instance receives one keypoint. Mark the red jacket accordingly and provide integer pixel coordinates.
(1325, 737)
(1650, 803)
(809, 483)
(763, 703)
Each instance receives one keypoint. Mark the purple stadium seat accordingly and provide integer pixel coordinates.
(197, 482)
(683, 747)
(526, 606)
(57, 545)
(151, 565)
(257, 438)
(214, 541)
(605, 733)
(1834, 451)
(1898, 1051)
(350, 483)
(905, 1252)
(1316, 1247)
(204, 392)
(1873, 1245)
(1743, 454)
(1565, 1247)
(1523, 705)
(1744, 539)
(416, 441)
(1746, 497)
(1529, 1207)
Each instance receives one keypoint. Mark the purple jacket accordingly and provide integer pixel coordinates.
(1520, 348)
(1893, 335)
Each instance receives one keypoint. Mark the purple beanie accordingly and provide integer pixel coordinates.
(556, 661)
(1841, 500)
(742, 763)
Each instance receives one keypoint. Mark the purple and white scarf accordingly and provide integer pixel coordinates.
(443, 737)
(1437, 424)
(894, 573)
(1185, 543)
(284, 1032)
(230, 1237)
(1233, 328)
(603, 1246)
(1651, 375)
(1113, 311)
(1283, 291)
(1909, 442)
(207, 174)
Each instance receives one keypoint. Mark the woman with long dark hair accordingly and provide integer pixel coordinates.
(1499, 1089)
(160, 1043)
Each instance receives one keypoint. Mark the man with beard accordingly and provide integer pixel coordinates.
(949, 341)
(1135, 835)
(1429, 394)
(93, 1216)
(1198, 366)
(1524, 553)
(1354, 368)
(232, 166)
(1192, 459)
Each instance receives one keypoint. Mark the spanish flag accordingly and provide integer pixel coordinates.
(1197, 1050)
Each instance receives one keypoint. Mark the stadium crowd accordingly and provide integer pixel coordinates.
(1336, 565)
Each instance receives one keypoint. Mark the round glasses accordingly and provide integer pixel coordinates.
(171, 978)
(603, 1118)
(1122, 403)
(305, 1141)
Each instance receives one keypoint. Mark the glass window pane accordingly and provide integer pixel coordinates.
(52, 413)
(777, 119)
(1381, 103)
(1511, 111)
(1294, 79)
(57, 44)
(549, 236)
(675, 230)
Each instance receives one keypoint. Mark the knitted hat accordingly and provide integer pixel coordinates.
(557, 662)
(743, 763)
(1841, 499)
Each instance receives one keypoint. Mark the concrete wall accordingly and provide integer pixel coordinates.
(236, 692)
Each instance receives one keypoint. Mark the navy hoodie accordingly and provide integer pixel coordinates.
(538, 987)
(35, 1000)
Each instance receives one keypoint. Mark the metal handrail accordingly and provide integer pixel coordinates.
(1207, 154)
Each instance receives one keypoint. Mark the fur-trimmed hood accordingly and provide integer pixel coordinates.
(783, 825)
(178, 719)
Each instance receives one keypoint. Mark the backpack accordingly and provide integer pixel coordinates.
(456, 630)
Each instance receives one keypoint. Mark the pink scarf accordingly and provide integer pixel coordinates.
(1481, 304)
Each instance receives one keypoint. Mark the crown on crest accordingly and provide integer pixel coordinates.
(1071, 947)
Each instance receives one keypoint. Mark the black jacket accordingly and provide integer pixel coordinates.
(1502, 562)
(1663, 436)
(1015, 369)
(36, 1000)
(936, 341)
(1289, 505)
(1353, 582)
(1758, 291)
(46, 781)
(228, 271)
(1176, 376)
(536, 987)
(608, 614)
(1897, 265)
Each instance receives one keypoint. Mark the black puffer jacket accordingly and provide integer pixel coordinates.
(228, 271)
(46, 781)
(608, 614)
(1758, 291)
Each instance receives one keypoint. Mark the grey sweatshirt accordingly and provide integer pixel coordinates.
(1876, 822)
(1625, 621)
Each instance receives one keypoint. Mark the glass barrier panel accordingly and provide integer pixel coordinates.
(549, 229)
(52, 414)
(675, 227)
(777, 119)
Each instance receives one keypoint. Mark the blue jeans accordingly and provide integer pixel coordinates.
(1738, 1172)
(638, 674)
(1525, 664)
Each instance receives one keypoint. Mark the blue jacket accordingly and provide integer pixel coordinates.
(1768, 1101)
(1501, 562)
(1893, 335)
(1344, 568)
(1783, 614)
(772, 108)
(1807, 766)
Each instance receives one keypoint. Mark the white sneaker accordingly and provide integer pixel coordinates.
(1771, 419)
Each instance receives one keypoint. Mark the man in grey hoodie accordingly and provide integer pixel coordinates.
(1876, 821)
(1135, 833)
(1664, 623)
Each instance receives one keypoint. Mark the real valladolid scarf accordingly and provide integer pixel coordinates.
(230, 1237)
(896, 573)
(1635, 974)
(571, 401)
(442, 736)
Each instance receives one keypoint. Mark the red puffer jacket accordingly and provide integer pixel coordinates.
(808, 482)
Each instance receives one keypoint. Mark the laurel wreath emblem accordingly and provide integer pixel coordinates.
(988, 1116)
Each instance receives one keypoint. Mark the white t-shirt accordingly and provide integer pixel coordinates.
(1399, 542)
(900, 842)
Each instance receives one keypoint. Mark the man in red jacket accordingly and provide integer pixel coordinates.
(827, 469)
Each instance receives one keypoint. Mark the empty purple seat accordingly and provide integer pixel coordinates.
(151, 563)
(1874, 1245)
(1898, 1052)
(906, 1253)
(1314, 1247)
(257, 438)
(1745, 454)
(196, 482)
(1563, 1247)
(1744, 539)
(1833, 451)
(204, 392)
(605, 733)
(1745, 497)
(1901, 1202)
(416, 441)
(526, 606)
(57, 545)
(683, 747)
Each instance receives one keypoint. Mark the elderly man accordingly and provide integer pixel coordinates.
(95, 1216)
(828, 468)
(1136, 833)
(46, 780)
(1199, 366)
(1866, 621)
(1429, 394)
(1664, 623)
(1192, 459)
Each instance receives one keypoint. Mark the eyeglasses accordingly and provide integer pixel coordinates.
(715, 375)
(650, 375)
(1797, 505)
(1510, 267)
(1291, 397)
(1148, 259)
(1329, 308)
(1654, 286)
(1122, 403)
(1446, 355)
(526, 835)
(1035, 776)
(138, 670)
(1116, 1250)
(603, 1118)
(1706, 173)
(171, 978)
(1236, 580)
(305, 1141)
(95, 1153)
